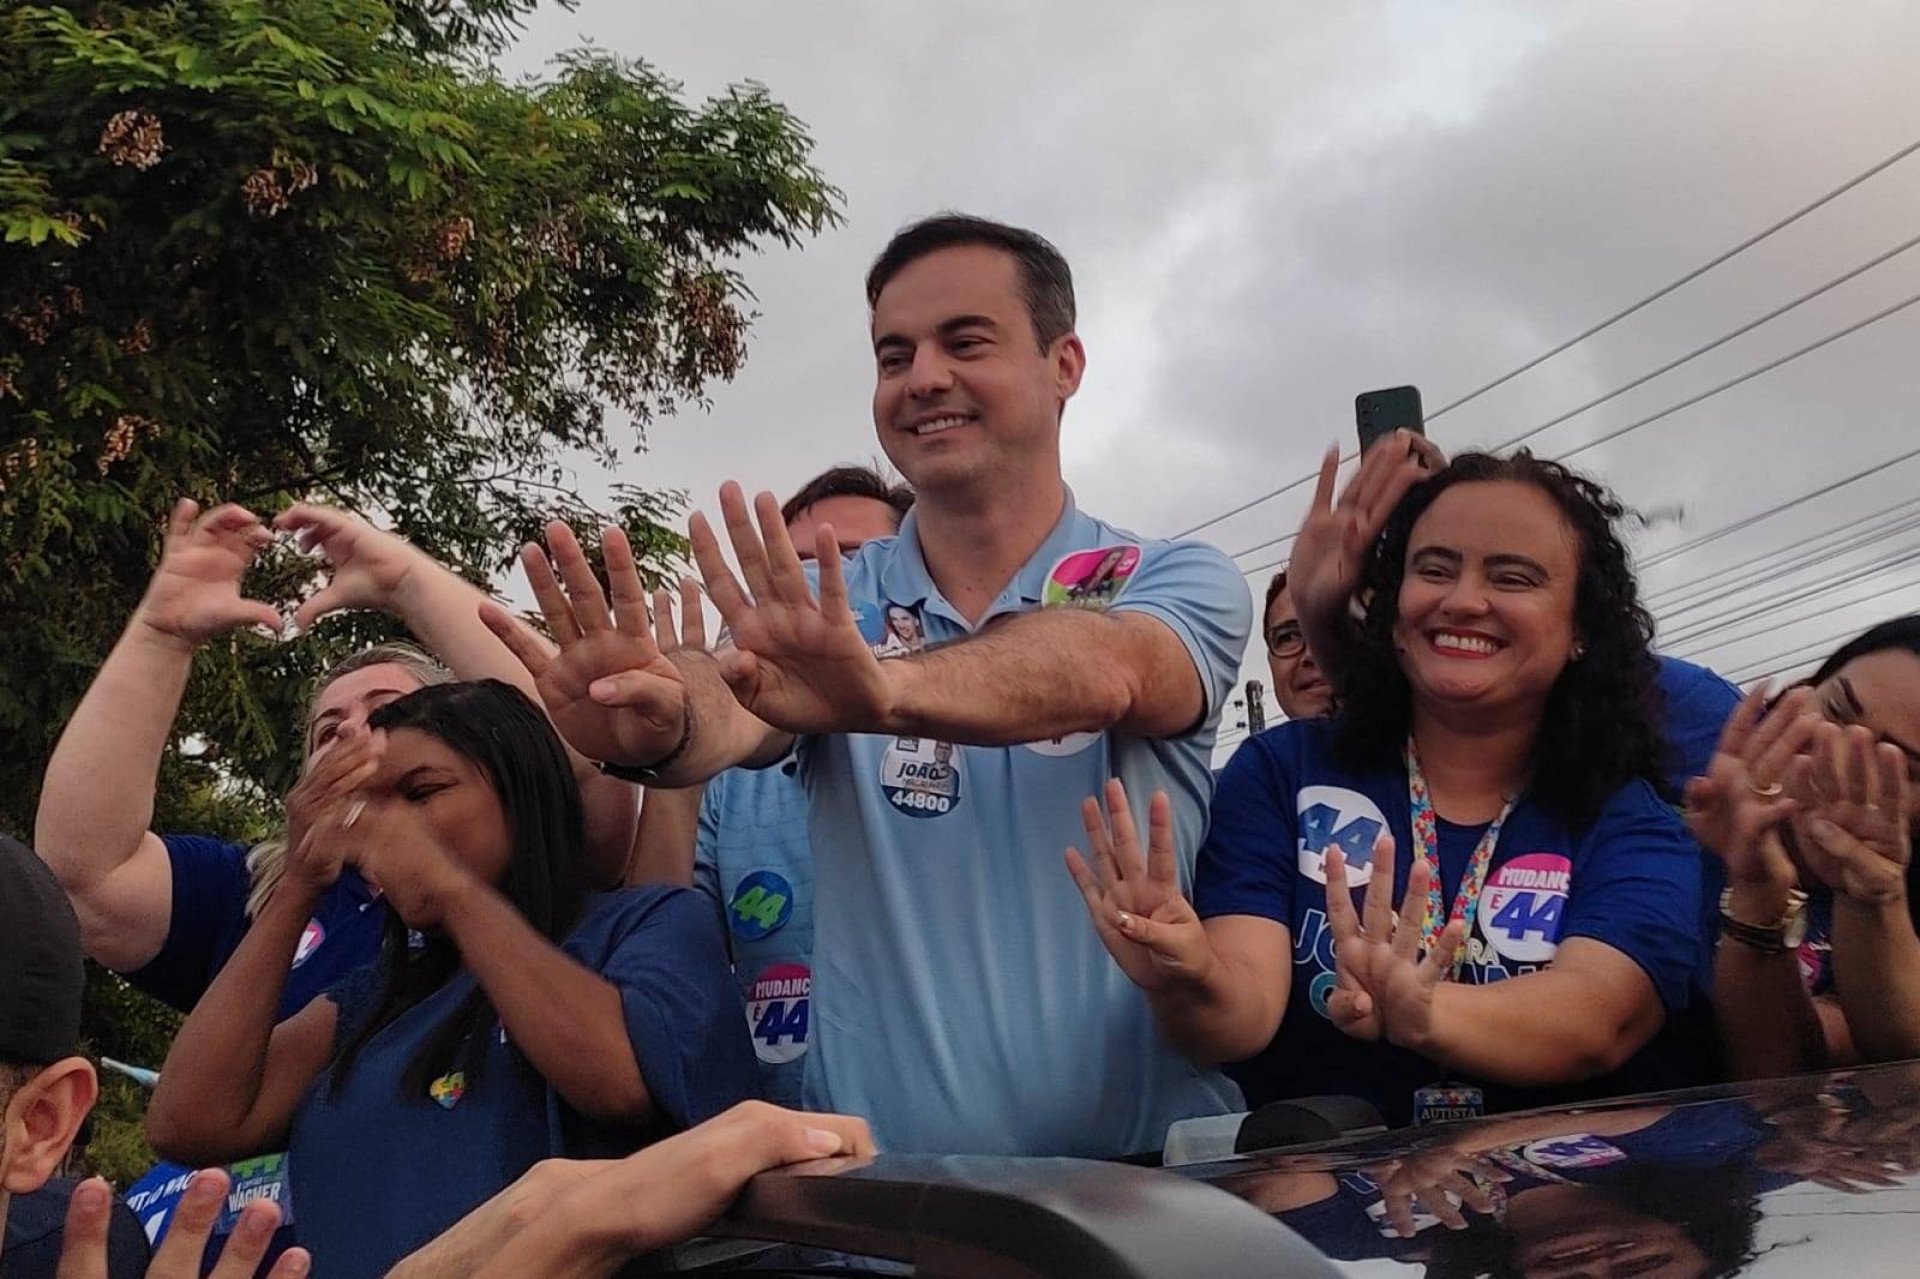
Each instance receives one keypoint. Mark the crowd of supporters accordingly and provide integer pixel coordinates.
(545, 901)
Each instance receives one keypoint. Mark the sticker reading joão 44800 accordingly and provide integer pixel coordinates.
(921, 777)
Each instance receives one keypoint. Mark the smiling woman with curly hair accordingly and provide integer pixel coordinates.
(1495, 771)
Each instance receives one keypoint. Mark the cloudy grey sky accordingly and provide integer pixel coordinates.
(1271, 205)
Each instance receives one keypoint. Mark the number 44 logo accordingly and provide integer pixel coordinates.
(762, 904)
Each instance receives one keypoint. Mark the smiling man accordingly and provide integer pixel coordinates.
(962, 1004)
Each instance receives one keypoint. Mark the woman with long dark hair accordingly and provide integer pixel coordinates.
(1809, 803)
(1492, 769)
(512, 1015)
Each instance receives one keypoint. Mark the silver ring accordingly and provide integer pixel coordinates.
(358, 807)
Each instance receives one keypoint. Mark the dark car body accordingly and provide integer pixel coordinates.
(1817, 1175)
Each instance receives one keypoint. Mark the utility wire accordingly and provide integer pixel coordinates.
(1774, 574)
(1715, 631)
(1728, 385)
(1766, 668)
(1609, 322)
(1644, 378)
(1653, 599)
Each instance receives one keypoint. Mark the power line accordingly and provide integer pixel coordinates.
(1765, 668)
(1688, 278)
(1728, 385)
(1746, 613)
(1610, 321)
(1757, 517)
(1653, 598)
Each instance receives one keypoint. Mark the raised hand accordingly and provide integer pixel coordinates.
(369, 567)
(83, 1248)
(692, 629)
(1330, 551)
(1143, 919)
(798, 663)
(1440, 1181)
(398, 851)
(1758, 768)
(609, 690)
(322, 805)
(1857, 834)
(1383, 987)
(195, 593)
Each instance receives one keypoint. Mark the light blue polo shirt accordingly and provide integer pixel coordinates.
(752, 862)
(962, 1001)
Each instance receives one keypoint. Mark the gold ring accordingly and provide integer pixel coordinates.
(358, 807)
(1766, 792)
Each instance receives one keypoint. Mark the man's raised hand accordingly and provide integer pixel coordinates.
(798, 663)
(609, 690)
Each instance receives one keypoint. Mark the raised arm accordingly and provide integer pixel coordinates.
(1218, 988)
(233, 1078)
(1769, 1024)
(93, 835)
(1331, 548)
(381, 571)
(609, 688)
(800, 662)
(1860, 842)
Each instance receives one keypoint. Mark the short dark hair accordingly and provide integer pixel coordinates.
(849, 481)
(1278, 584)
(1046, 282)
(1899, 634)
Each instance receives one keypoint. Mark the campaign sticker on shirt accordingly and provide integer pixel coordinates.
(1091, 579)
(777, 1010)
(310, 940)
(1582, 1150)
(762, 903)
(901, 631)
(1335, 817)
(921, 777)
(1061, 747)
(1524, 906)
(866, 616)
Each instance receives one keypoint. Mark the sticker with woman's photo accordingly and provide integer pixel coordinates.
(1091, 579)
(900, 632)
(921, 777)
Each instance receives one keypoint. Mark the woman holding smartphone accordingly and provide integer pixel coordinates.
(1463, 892)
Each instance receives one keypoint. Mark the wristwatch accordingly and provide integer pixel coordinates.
(1785, 933)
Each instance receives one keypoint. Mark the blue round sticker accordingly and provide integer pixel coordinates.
(762, 904)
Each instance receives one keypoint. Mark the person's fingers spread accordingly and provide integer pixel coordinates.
(1099, 840)
(1377, 907)
(1340, 913)
(1329, 476)
(1126, 836)
(749, 552)
(1438, 965)
(832, 575)
(590, 610)
(1412, 914)
(83, 1250)
(1090, 889)
(665, 636)
(554, 605)
(1163, 866)
(623, 582)
(249, 1241)
(693, 618)
(520, 641)
(723, 588)
(784, 570)
(192, 1223)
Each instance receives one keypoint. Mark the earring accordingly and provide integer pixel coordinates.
(1579, 651)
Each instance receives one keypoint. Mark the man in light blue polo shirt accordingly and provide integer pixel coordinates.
(1031, 652)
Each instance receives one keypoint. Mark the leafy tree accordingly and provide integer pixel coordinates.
(320, 249)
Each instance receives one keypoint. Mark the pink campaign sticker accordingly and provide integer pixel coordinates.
(1091, 579)
(1524, 906)
(778, 1007)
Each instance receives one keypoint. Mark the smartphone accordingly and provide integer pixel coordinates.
(1381, 413)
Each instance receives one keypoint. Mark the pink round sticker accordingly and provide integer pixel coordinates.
(1524, 906)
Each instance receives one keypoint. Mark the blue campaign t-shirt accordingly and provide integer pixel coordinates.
(1630, 880)
(208, 918)
(377, 1174)
(753, 862)
(961, 999)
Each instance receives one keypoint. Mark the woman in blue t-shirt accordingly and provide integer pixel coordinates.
(1490, 770)
(512, 1017)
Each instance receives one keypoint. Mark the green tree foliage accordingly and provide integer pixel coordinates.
(264, 251)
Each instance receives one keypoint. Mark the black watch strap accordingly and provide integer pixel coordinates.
(647, 774)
